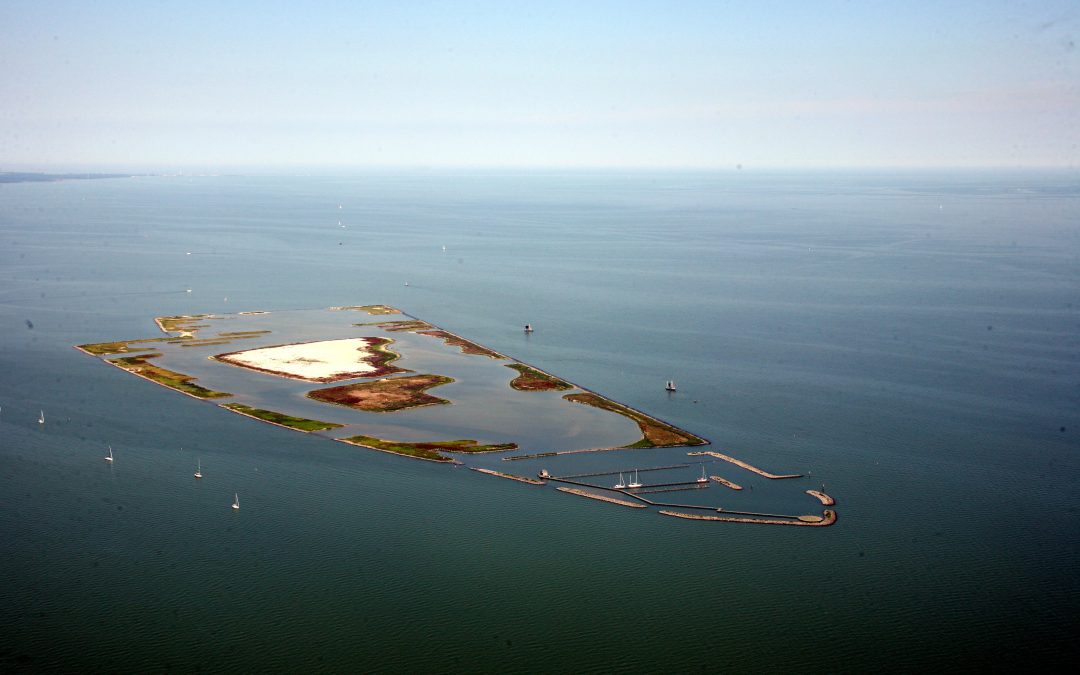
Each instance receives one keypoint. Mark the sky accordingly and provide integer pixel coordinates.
(166, 86)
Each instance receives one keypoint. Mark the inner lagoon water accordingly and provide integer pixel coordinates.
(912, 340)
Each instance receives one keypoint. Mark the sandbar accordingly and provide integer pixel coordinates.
(321, 361)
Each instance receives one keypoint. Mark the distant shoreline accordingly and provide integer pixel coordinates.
(32, 177)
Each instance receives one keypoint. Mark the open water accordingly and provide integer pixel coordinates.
(911, 339)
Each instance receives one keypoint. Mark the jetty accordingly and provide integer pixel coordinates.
(538, 455)
(612, 473)
(682, 486)
(824, 520)
(678, 484)
(725, 482)
(821, 497)
(602, 498)
(500, 474)
(748, 467)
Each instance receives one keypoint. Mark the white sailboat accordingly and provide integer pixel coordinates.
(670, 385)
(621, 484)
(41, 418)
(528, 328)
(236, 501)
(635, 483)
(703, 479)
(110, 457)
(198, 468)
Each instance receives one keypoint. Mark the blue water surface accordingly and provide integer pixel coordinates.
(910, 339)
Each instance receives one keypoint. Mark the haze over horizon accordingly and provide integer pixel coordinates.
(207, 86)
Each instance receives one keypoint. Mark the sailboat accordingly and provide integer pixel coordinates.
(41, 418)
(670, 385)
(198, 468)
(621, 484)
(528, 328)
(635, 484)
(703, 479)
(109, 458)
(236, 501)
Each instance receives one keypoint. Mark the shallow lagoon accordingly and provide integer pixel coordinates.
(483, 405)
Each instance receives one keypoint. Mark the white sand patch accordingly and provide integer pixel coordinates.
(324, 361)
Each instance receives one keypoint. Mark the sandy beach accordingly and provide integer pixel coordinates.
(324, 361)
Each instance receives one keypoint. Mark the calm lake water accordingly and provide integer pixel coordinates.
(912, 339)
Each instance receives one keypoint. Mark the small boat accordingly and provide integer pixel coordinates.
(636, 483)
(110, 457)
(621, 484)
(528, 328)
(703, 478)
(670, 385)
(41, 418)
(198, 468)
(236, 501)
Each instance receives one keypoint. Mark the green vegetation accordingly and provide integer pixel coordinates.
(398, 326)
(186, 323)
(222, 338)
(466, 346)
(532, 379)
(370, 309)
(169, 378)
(299, 423)
(124, 346)
(204, 343)
(655, 434)
(430, 451)
(383, 357)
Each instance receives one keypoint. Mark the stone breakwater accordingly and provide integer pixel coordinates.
(748, 467)
(602, 498)
(824, 520)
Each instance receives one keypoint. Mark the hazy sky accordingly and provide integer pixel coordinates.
(195, 85)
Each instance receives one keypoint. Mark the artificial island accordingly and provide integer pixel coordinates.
(398, 384)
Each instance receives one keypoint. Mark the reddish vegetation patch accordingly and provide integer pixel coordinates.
(398, 326)
(466, 346)
(654, 432)
(385, 395)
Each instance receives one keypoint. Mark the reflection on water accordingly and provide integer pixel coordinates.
(921, 361)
